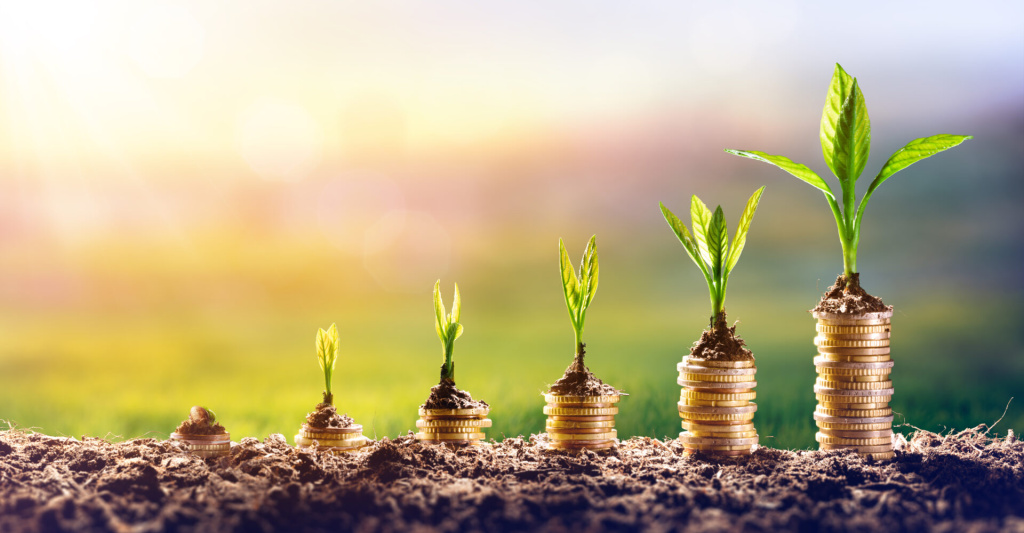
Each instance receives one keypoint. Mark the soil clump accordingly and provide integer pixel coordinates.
(445, 395)
(966, 481)
(721, 343)
(847, 297)
(578, 380)
(199, 422)
(326, 416)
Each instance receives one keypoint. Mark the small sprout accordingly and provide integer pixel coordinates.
(201, 415)
(327, 355)
(845, 135)
(448, 329)
(709, 245)
(579, 288)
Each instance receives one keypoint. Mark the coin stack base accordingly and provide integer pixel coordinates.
(576, 423)
(452, 427)
(205, 446)
(716, 408)
(853, 388)
(334, 440)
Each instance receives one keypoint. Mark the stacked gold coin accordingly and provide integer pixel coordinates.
(452, 426)
(205, 445)
(716, 408)
(334, 440)
(578, 422)
(853, 388)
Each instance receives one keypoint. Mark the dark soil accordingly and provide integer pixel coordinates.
(445, 395)
(326, 416)
(957, 482)
(578, 380)
(199, 422)
(721, 343)
(849, 298)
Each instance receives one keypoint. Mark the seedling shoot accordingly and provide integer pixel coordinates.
(327, 355)
(448, 330)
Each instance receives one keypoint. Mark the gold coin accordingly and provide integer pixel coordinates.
(833, 396)
(209, 447)
(586, 436)
(828, 439)
(725, 387)
(449, 436)
(717, 364)
(852, 330)
(882, 448)
(884, 456)
(716, 403)
(861, 319)
(853, 379)
(440, 413)
(575, 446)
(854, 413)
(828, 342)
(832, 426)
(580, 411)
(578, 431)
(713, 416)
(348, 441)
(454, 423)
(702, 448)
(854, 406)
(852, 352)
(218, 437)
(688, 438)
(569, 424)
(684, 368)
(857, 434)
(556, 399)
(696, 427)
(724, 435)
(835, 358)
(853, 385)
(582, 418)
(721, 396)
(686, 376)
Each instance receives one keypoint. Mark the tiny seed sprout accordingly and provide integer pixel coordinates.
(202, 415)
(448, 329)
(579, 288)
(709, 245)
(327, 355)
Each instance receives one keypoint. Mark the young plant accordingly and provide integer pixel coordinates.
(709, 246)
(448, 329)
(579, 289)
(327, 355)
(845, 142)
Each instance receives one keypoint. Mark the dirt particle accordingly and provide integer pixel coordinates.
(847, 297)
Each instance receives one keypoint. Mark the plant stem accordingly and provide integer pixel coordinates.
(849, 258)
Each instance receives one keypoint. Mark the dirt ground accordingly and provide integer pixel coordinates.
(957, 482)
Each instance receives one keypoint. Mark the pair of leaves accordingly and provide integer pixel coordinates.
(709, 246)
(327, 352)
(447, 324)
(579, 288)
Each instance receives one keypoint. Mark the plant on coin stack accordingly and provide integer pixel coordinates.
(853, 363)
(718, 377)
(450, 415)
(202, 435)
(324, 427)
(581, 408)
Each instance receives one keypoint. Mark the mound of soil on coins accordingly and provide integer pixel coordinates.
(721, 343)
(445, 395)
(326, 416)
(191, 427)
(578, 380)
(956, 482)
(847, 297)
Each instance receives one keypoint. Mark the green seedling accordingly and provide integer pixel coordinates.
(845, 142)
(448, 329)
(579, 289)
(709, 246)
(327, 355)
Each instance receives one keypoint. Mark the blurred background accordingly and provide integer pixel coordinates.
(188, 190)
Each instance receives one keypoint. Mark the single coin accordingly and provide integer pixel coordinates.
(825, 384)
(225, 437)
(852, 330)
(854, 406)
(819, 417)
(449, 436)
(715, 403)
(854, 379)
(857, 434)
(209, 447)
(725, 435)
(822, 342)
(717, 385)
(689, 438)
(558, 399)
(580, 411)
(847, 359)
(683, 408)
(582, 418)
(828, 439)
(694, 361)
(321, 435)
(722, 396)
(351, 441)
(858, 319)
(882, 448)
(820, 361)
(354, 428)
(715, 371)
(436, 413)
(884, 456)
(454, 422)
(712, 426)
(687, 376)
(852, 352)
(576, 437)
(715, 448)
(570, 424)
(578, 431)
(846, 394)
(854, 413)
(832, 427)
(702, 417)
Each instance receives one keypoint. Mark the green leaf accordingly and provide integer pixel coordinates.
(700, 218)
(440, 324)
(570, 284)
(682, 234)
(589, 272)
(332, 350)
(741, 231)
(838, 91)
(796, 169)
(915, 151)
(456, 307)
(853, 137)
(718, 242)
(455, 331)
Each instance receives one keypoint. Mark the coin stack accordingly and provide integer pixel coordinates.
(205, 445)
(715, 406)
(578, 422)
(452, 426)
(853, 388)
(334, 440)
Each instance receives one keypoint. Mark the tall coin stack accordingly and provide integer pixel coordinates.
(578, 422)
(334, 440)
(205, 445)
(853, 388)
(716, 408)
(452, 426)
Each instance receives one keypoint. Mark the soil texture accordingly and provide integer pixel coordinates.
(578, 380)
(956, 482)
(445, 395)
(721, 343)
(847, 297)
(326, 416)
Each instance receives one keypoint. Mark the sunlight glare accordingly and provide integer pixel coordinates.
(166, 41)
(279, 140)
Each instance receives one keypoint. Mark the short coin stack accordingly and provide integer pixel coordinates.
(716, 408)
(578, 422)
(452, 426)
(205, 445)
(334, 440)
(853, 388)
